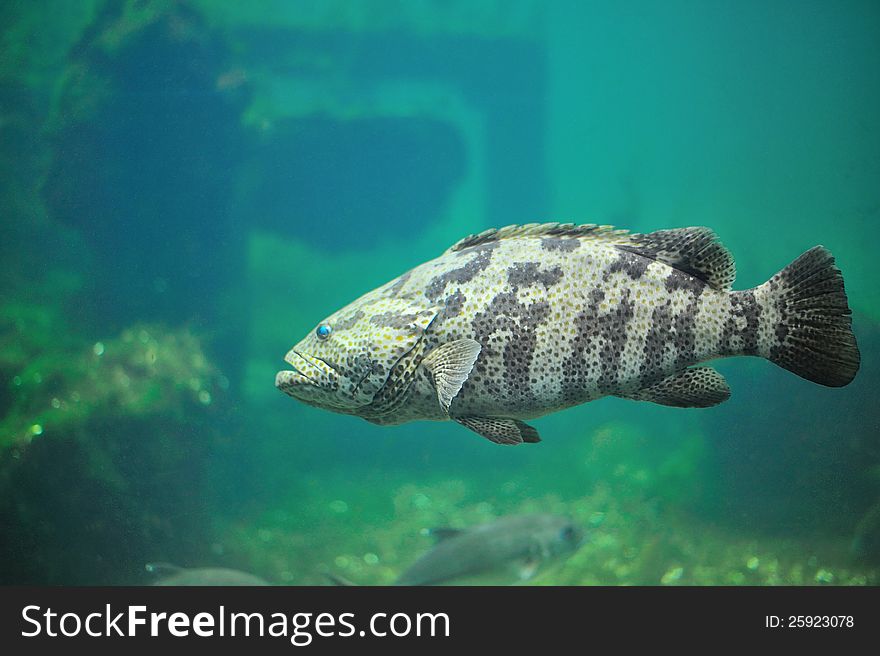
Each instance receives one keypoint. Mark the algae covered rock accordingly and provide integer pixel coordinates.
(144, 371)
(103, 456)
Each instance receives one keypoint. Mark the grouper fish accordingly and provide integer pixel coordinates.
(517, 322)
(512, 548)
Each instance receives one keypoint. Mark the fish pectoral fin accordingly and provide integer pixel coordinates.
(450, 365)
(500, 430)
(528, 568)
(700, 387)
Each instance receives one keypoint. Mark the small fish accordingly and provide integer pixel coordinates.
(201, 576)
(865, 544)
(518, 322)
(517, 546)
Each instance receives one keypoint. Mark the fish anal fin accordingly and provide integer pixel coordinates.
(500, 430)
(699, 387)
(450, 364)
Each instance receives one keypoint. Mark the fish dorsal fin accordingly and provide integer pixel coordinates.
(162, 569)
(444, 533)
(695, 251)
(559, 230)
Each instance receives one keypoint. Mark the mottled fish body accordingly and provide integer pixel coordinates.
(515, 323)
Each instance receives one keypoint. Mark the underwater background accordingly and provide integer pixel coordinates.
(187, 188)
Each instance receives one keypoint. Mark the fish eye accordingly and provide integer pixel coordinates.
(567, 534)
(323, 331)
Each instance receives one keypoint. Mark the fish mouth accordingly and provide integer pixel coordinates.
(287, 380)
(312, 371)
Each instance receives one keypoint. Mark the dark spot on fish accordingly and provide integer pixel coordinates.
(685, 334)
(683, 337)
(506, 313)
(399, 283)
(598, 333)
(523, 274)
(658, 340)
(677, 280)
(614, 324)
(358, 369)
(464, 273)
(630, 263)
(349, 321)
(455, 303)
(743, 306)
(394, 320)
(780, 332)
(559, 244)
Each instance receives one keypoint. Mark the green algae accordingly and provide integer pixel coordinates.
(636, 543)
(105, 433)
(144, 371)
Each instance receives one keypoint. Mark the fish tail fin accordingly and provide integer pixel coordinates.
(809, 329)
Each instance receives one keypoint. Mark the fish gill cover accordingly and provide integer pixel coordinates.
(190, 188)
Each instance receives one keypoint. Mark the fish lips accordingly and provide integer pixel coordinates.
(288, 381)
(308, 372)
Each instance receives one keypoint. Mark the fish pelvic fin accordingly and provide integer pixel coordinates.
(809, 328)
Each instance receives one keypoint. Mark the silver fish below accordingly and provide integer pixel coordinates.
(512, 548)
(172, 575)
(514, 323)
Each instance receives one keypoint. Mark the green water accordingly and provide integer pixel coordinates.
(187, 188)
